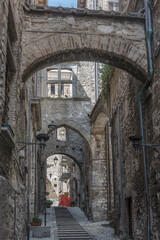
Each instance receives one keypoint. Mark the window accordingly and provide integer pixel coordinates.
(52, 89)
(113, 6)
(41, 2)
(55, 185)
(62, 89)
(61, 134)
(60, 83)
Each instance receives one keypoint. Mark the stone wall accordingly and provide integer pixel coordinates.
(92, 33)
(12, 209)
(3, 45)
(99, 4)
(71, 147)
(123, 92)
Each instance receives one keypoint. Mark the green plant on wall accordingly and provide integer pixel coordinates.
(106, 79)
(127, 237)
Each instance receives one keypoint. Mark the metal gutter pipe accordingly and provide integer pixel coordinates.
(148, 21)
(96, 80)
(29, 166)
(120, 160)
(35, 203)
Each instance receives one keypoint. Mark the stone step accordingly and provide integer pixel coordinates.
(68, 227)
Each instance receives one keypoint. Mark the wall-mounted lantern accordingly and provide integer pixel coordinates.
(42, 137)
(55, 160)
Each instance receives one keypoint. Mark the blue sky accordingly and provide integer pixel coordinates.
(63, 3)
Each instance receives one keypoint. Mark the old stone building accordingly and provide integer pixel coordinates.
(50, 58)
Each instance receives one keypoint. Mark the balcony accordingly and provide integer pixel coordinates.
(64, 177)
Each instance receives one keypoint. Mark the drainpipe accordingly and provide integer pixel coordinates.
(35, 203)
(15, 214)
(96, 80)
(95, 64)
(148, 21)
(37, 78)
(29, 167)
(121, 168)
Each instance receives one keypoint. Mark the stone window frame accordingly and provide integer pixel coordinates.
(113, 6)
(63, 140)
(61, 81)
(41, 2)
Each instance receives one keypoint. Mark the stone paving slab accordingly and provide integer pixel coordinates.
(94, 229)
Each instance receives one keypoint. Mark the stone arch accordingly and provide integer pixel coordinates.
(66, 154)
(81, 128)
(109, 39)
(78, 129)
(51, 148)
(99, 124)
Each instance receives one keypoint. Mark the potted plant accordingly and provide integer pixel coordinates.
(36, 221)
(114, 213)
(72, 204)
(46, 193)
(66, 194)
(48, 203)
(86, 195)
(127, 237)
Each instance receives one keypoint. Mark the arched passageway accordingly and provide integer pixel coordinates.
(63, 177)
(107, 39)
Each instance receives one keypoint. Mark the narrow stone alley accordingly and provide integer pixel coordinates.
(80, 119)
(94, 230)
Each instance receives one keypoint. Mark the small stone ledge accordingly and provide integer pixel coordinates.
(8, 135)
(81, 12)
(65, 99)
(40, 232)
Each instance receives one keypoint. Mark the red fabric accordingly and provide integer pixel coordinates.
(65, 200)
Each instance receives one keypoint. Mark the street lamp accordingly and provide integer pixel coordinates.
(52, 127)
(135, 139)
(55, 160)
(136, 144)
(42, 137)
(50, 175)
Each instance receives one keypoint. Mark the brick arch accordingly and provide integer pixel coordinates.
(109, 39)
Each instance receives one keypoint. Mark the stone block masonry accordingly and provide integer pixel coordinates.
(95, 37)
(12, 210)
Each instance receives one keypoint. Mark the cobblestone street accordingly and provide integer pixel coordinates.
(94, 229)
